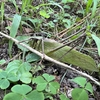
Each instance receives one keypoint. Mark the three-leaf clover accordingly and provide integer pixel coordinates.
(45, 82)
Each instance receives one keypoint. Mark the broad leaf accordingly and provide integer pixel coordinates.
(13, 96)
(13, 66)
(54, 86)
(32, 57)
(48, 77)
(3, 74)
(25, 41)
(12, 77)
(21, 89)
(4, 83)
(18, 67)
(63, 97)
(39, 79)
(41, 86)
(26, 77)
(41, 83)
(36, 95)
(80, 81)
(2, 61)
(25, 67)
(89, 87)
(79, 94)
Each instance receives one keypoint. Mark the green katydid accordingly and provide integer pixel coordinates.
(72, 57)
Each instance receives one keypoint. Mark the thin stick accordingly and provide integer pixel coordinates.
(51, 59)
(62, 33)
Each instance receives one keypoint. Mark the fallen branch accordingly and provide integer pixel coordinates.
(51, 59)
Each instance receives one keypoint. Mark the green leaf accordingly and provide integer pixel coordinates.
(4, 83)
(41, 87)
(48, 77)
(13, 30)
(97, 41)
(35, 21)
(39, 79)
(24, 67)
(36, 95)
(21, 89)
(67, 1)
(3, 74)
(95, 3)
(79, 94)
(88, 5)
(68, 22)
(32, 57)
(18, 67)
(44, 14)
(12, 77)
(2, 61)
(25, 41)
(49, 97)
(66, 55)
(2, 10)
(13, 66)
(41, 83)
(80, 81)
(63, 97)
(15, 25)
(1, 70)
(13, 96)
(54, 86)
(36, 68)
(26, 77)
(89, 87)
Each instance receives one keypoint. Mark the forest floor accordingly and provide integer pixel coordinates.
(50, 68)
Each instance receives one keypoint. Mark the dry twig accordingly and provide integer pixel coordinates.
(51, 59)
(62, 33)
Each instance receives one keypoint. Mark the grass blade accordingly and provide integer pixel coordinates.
(2, 10)
(97, 41)
(95, 3)
(13, 30)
